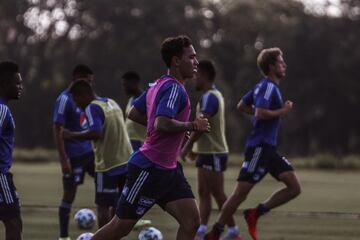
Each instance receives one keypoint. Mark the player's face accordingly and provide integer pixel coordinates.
(16, 87)
(188, 63)
(81, 101)
(130, 88)
(200, 80)
(280, 67)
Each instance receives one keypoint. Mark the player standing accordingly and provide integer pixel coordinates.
(10, 88)
(76, 156)
(111, 145)
(265, 102)
(155, 176)
(211, 149)
(136, 131)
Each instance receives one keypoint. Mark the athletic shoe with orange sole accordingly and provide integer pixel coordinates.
(251, 216)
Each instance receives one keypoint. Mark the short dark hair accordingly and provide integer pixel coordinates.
(131, 76)
(266, 57)
(174, 46)
(82, 70)
(7, 71)
(81, 87)
(208, 68)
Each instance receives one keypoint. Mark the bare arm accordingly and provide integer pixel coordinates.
(59, 142)
(166, 124)
(264, 114)
(84, 135)
(242, 106)
(136, 116)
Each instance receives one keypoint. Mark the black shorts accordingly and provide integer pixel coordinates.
(149, 186)
(9, 198)
(108, 188)
(79, 165)
(212, 162)
(260, 160)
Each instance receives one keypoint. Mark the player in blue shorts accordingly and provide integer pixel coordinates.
(136, 131)
(265, 102)
(210, 149)
(10, 89)
(76, 156)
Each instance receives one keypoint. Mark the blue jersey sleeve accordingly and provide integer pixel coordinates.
(4, 117)
(140, 103)
(209, 104)
(263, 95)
(95, 117)
(248, 98)
(61, 106)
(170, 100)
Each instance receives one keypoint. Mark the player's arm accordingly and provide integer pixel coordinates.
(58, 122)
(262, 113)
(166, 124)
(137, 116)
(95, 118)
(246, 104)
(137, 112)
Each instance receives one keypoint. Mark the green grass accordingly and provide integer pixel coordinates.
(327, 209)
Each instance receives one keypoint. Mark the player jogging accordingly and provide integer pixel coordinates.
(76, 156)
(111, 145)
(136, 131)
(265, 102)
(210, 148)
(154, 175)
(10, 88)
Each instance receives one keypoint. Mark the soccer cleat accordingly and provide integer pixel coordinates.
(251, 217)
(65, 238)
(199, 236)
(211, 236)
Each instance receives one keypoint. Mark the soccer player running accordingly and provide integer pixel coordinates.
(265, 102)
(10, 89)
(76, 156)
(136, 131)
(111, 145)
(211, 149)
(155, 176)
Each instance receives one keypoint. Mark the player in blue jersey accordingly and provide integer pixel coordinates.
(10, 88)
(76, 156)
(265, 102)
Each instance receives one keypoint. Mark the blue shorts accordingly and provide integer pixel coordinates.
(260, 160)
(108, 187)
(212, 162)
(146, 187)
(9, 198)
(136, 144)
(80, 165)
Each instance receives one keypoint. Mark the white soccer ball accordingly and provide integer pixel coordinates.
(85, 236)
(150, 233)
(85, 218)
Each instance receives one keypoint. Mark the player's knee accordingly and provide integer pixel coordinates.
(192, 224)
(295, 190)
(203, 191)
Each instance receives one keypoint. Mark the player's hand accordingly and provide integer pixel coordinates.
(201, 124)
(288, 105)
(66, 134)
(66, 166)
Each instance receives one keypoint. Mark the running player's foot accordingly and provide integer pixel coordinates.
(142, 223)
(199, 236)
(251, 217)
(211, 236)
(232, 237)
(65, 238)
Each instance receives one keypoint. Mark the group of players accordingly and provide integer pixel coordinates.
(134, 158)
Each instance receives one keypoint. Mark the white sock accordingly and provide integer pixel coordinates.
(233, 230)
(202, 228)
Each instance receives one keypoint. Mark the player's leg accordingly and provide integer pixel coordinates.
(204, 191)
(115, 229)
(13, 229)
(186, 213)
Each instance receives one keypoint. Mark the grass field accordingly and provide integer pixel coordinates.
(329, 207)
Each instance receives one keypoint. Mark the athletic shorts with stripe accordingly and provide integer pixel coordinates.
(108, 188)
(79, 165)
(149, 186)
(212, 162)
(9, 198)
(260, 160)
